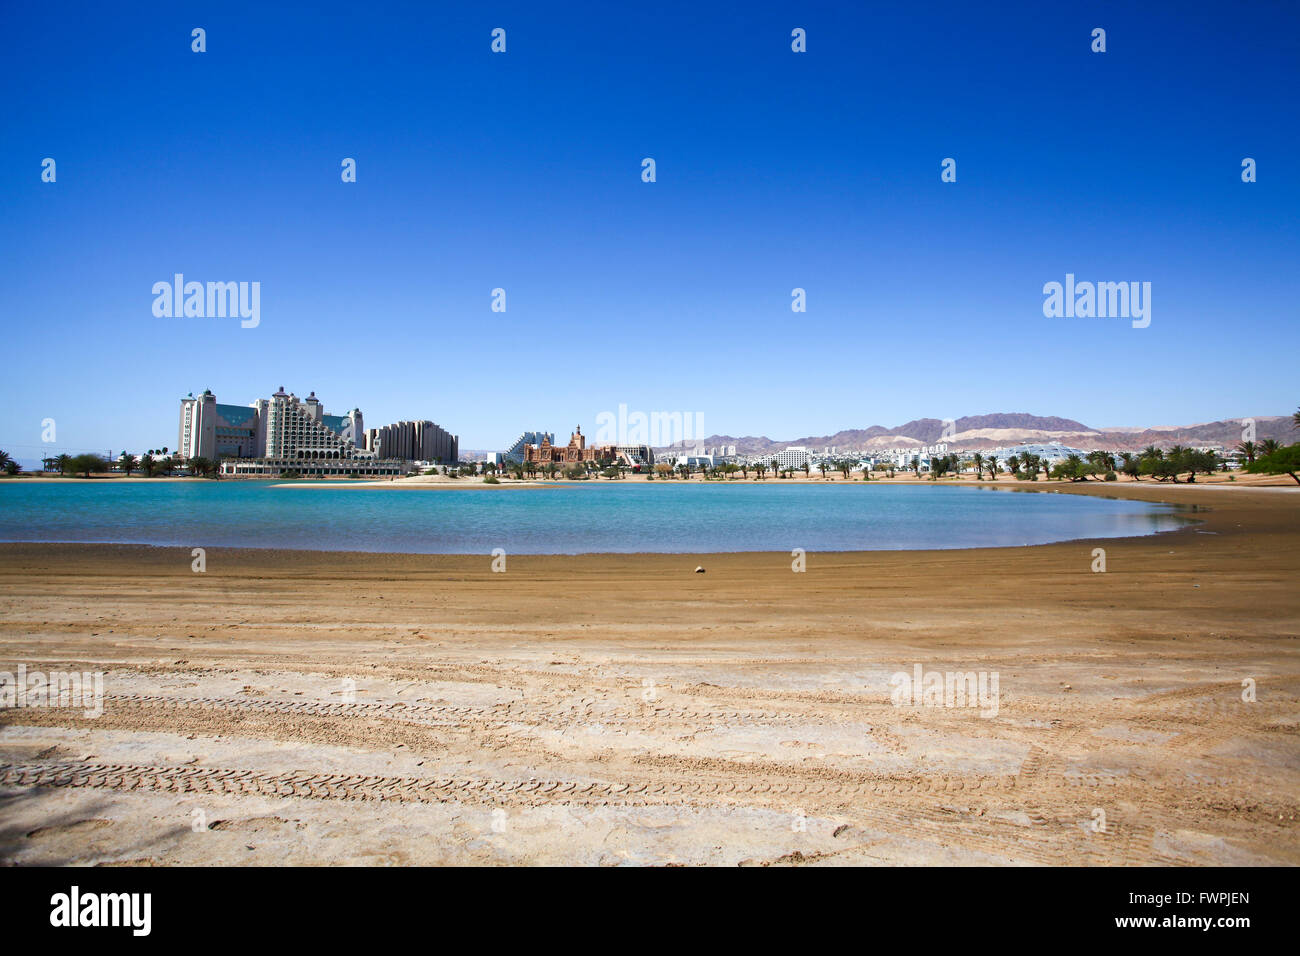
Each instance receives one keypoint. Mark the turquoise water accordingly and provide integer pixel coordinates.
(587, 517)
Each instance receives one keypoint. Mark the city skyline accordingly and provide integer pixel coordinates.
(478, 171)
(252, 426)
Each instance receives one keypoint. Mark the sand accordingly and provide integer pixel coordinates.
(306, 707)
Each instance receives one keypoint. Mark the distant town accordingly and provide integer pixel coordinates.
(286, 436)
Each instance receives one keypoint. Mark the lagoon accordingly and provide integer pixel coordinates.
(565, 518)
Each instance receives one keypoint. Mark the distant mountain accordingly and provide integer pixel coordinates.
(974, 432)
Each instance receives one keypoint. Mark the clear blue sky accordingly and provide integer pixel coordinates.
(522, 171)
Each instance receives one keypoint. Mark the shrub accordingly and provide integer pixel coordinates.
(1111, 476)
(491, 480)
(1282, 461)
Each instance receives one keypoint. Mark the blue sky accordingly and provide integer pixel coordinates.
(522, 171)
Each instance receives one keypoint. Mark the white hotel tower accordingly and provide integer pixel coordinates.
(282, 433)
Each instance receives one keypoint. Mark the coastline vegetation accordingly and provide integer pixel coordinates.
(1267, 457)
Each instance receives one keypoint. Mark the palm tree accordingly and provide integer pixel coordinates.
(1249, 449)
(1295, 419)
(63, 463)
(916, 465)
(5, 460)
(128, 462)
(1268, 446)
(979, 466)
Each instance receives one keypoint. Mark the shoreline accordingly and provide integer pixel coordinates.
(1235, 479)
(622, 708)
(1097, 489)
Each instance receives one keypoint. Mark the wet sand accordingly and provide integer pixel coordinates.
(326, 708)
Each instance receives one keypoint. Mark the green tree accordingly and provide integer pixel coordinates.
(85, 464)
(1100, 462)
(1283, 461)
(1072, 468)
(1249, 449)
(128, 462)
(1161, 467)
(1268, 446)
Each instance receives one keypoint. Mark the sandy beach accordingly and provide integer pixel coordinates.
(332, 708)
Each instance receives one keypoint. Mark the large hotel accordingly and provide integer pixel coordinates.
(284, 433)
(577, 451)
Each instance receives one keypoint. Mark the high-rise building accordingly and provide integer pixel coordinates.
(284, 433)
(297, 428)
(414, 441)
(211, 430)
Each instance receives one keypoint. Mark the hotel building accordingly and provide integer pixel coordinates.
(281, 434)
(414, 441)
(577, 452)
(519, 447)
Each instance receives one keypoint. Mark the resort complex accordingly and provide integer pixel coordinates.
(577, 452)
(284, 434)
